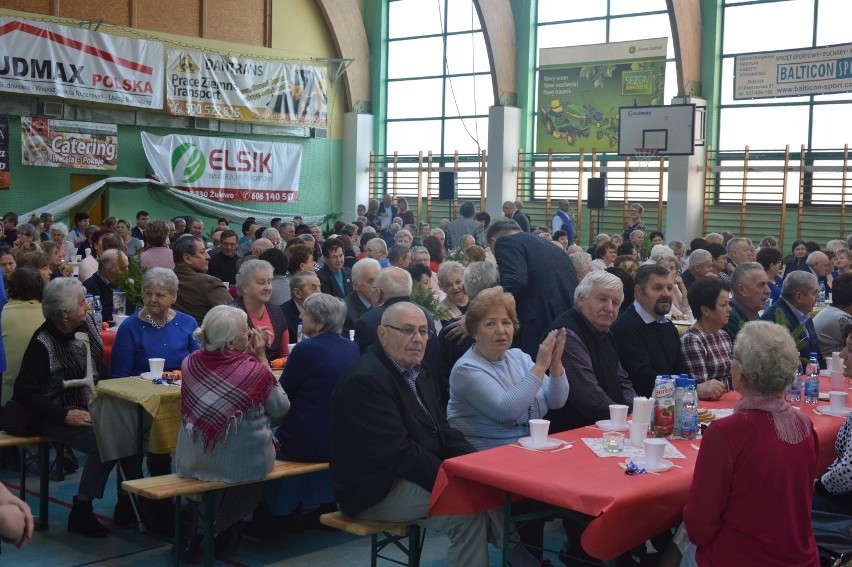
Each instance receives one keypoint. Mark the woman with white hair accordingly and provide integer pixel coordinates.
(58, 233)
(254, 290)
(450, 279)
(750, 501)
(228, 396)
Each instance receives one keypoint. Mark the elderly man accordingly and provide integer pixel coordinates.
(302, 286)
(389, 437)
(738, 251)
(698, 265)
(562, 220)
(273, 236)
(402, 238)
(387, 211)
(678, 249)
(749, 290)
(539, 275)
(377, 249)
(399, 256)
(198, 291)
(648, 343)
(595, 375)
(335, 279)
(359, 301)
(510, 211)
(440, 235)
(834, 322)
(466, 225)
(196, 229)
(798, 297)
(637, 238)
(820, 266)
(225, 264)
(110, 264)
(288, 231)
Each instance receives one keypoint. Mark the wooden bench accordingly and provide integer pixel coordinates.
(390, 532)
(43, 444)
(175, 486)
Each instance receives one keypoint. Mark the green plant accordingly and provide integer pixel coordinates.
(128, 278)
(456, 255)
(426, 299)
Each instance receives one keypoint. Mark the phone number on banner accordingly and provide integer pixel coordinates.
(247, 195)
(204, 109)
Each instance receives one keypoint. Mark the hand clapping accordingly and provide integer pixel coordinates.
(550, 354)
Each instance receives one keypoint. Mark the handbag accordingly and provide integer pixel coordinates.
(833, 533)
(18, 420)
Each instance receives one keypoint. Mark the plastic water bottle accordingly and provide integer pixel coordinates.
(821, 298)
(300, 336)
(689, 412)
(681, 382)
(795, 394)
(812, 380)
(767, 304)
(98, 312)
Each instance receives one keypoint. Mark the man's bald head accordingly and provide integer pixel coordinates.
(393, 282)
(403, 333)
(260, 245)
(819, 263)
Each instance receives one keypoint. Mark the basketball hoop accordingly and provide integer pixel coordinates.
(643, 156)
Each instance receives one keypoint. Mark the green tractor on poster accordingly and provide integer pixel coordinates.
(568, 122)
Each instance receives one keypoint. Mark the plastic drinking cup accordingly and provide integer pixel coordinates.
(539, 429)
(638, 432)
(156, 365)
(654, 449)
(618, 415)
(837, 400)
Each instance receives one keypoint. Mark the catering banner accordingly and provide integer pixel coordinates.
(64, 143)
(44, 59)
(211, 85)
(226, 169)
(5, 174)
(581, 88)
(795, 72)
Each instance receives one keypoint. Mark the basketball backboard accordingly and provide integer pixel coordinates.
(668, 130)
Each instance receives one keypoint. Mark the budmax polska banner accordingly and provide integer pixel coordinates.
(65, 143)
(227, 169)
(5, 174)
(42, 59)
(581, 88)
(211, 85)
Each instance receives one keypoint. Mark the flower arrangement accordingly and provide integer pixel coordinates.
(426, 299)
(128, 278)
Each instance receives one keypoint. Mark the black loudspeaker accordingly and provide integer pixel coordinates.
(597, 193)
(448, 184)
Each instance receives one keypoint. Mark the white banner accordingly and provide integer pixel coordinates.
(796, 72)
(63, 143)
(217, 86)
(44, 59)
(227, 169)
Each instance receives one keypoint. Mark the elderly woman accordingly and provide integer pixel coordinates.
(770, 259)
(680, 303)
(582, 262)
(751, 493)
(157, 254)
(280, 282)
(799, 259)
(706, 347)
(132, 244)
(27, 234)
(605, 255)
(19, 319)
(30, 257)
(56, 264)
(254, 289)
(155, 331)
(719, 262)
(309, 379)
(300, 258)
(58, 234)
(636, 223)
(373, 212)
(405, 213)
(228, 396)
(53, 357)
(450, 277)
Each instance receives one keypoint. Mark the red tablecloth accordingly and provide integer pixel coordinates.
(628, 509)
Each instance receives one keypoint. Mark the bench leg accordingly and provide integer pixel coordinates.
(23, 480)
(374, 549)
(209, 501)
(176, 548)
(415, 544)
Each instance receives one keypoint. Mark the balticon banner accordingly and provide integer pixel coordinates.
(64, 143)
(227, 169)
(581, 88)
(211, 85)
(796, 72)
(42, 59)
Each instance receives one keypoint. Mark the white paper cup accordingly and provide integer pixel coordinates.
(837, 400)
(539, 429)
(836, 379)
(618, 415)
(119, 319)
(156, 365)
(638, 432)
(654, 449)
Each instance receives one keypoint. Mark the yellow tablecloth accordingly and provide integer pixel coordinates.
(115, 411)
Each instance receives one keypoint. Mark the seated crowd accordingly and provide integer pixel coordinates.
(443, 341)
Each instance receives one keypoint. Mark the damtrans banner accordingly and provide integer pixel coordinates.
(44, 59)
(211, 85)
(64, 143)
(227, 169)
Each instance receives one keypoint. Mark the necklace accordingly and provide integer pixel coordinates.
(154, 324)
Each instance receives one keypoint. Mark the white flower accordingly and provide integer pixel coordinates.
(130, 281)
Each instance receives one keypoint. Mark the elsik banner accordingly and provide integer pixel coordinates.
(795, 72)
(64, 143)
(227, 169)
(581, 88)
(44, 59)
(5, 174)
(211, 85)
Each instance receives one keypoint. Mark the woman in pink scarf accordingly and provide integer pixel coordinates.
(228, 396)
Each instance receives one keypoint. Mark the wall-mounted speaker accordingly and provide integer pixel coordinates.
(597, 193)
(448, 184)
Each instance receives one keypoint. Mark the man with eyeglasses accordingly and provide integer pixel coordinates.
(389, 437)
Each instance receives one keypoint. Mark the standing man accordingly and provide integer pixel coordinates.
(198, 291)
(387, 211)
(510, 211)
(749, 290)
(141, 224)
(539, 275)
(648, 342)
(224, 265)
(562, 220)
(466, 225)
(335, 279)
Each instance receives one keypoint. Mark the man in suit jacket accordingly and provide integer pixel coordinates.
(539, 275)
(792, 310)
(198, 292)
(389, 438)
(648, 343)
(302, 286)
(335, 279)
(512, 212)
(358, 302)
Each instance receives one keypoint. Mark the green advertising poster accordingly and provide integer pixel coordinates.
(581, 88)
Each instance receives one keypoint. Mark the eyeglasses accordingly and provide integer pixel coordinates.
(409, 332)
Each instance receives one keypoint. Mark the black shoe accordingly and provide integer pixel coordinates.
(191, 552)
(123, 516)
(82, 520)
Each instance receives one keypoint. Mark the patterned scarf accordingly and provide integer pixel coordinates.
(218, 389)
(791, 425)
